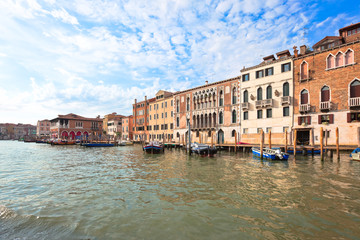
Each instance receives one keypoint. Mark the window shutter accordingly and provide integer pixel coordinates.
(309, 119)
(299, 120)
(348, 117)
(331, 118)
(319, 119)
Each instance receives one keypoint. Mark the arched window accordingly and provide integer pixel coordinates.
(233, 116)
(349, 57)
(177, 122)
(330, 61)
(339, 60)
(246, 96)
(325, 94)
(259, 93)
(221, 118)
(304, 97)
(286, 89)
(221, 99)
(233, 133)
(304, 70)
(177, 106)
(269, 92)
(234, 96)
(188, 104)
(355, 89)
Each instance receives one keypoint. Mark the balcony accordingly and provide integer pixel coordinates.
(258, 104)
(325, 105)
(267, 102)
(354, 102)
(304, 108)
(286, 100)
(245, 106)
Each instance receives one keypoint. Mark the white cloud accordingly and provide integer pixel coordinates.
(63, 15)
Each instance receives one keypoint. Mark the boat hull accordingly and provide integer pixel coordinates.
(97, 145)
(269, 154)
(153, 149)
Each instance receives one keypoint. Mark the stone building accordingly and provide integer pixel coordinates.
(127, 128)
(161, 117)
(114, 126)
(327, 89)
(141, 119)
(72, 126)
(266, 102)
(212, 110)
(43, 128)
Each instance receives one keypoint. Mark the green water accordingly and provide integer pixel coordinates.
(71, 192)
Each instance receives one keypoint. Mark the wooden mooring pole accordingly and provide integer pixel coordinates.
(295, 139)
(321, 143)
(286, 142)
(261, 143)
(270, 139)
(337, 144)
(235, 141)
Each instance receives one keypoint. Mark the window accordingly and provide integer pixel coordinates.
(258, 130)
(150, 107)
(286, 111)
(177, 122)
(245, 77)
(234, 96)
(306, 120)
(269, 92)
(162, 115)
(162, 105)
(304, 70)
(349, 57)
(177, 106)
(166, 115)
(286, 89)
(269, 113)
(328, 118)
(353, 116)
(172, 102)
(285, 129)
(172, 113)
(325, 94)
(220, 118)
(330, 61)
(188, 104)
(269, 71)
(150, 117)
(260, 74)
(246, 96)
(171, 125)
(259, 93)
(165, 104)
(285, 67)
(221, 100)
(246, 115)
(268, 129)
(233, 116)
(304, 97)
(233, 133)
(339, 60)
(259, 114)
(245, 130)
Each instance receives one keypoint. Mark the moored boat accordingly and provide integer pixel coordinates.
(270, 153)
(154, 147)
(97, 144)
(355, 155)
(62, 142)
(203, 149)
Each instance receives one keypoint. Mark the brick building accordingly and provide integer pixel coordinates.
(43, 128)
(211, 110)
(141, 119)
(72, 126)
(327, 89)
(266, 91)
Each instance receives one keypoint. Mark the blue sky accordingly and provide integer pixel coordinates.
(93, 57)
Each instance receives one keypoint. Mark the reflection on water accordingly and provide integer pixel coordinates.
(70, 192)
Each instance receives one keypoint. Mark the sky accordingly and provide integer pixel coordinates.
(94, 57)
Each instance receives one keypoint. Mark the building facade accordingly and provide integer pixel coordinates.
(327, 89)
(266, 98)
(127, 128)
(72, 126)
(161, 124)
(212, 110)
(43, 128)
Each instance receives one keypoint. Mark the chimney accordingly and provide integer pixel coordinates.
(145, 98)
(206, 82)
(302, 49)
(296, 52)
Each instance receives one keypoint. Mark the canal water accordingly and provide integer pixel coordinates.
(71, 192)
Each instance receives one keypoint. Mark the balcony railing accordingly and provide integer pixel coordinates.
(267, 102)
(304, 108)
(325, 105)
(354, 102)
(286, 100)
(258, 104)
(245, 106)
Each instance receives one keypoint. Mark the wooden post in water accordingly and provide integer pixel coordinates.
(270, 139)
(321, 143)
(261, 143)
(294, 144)
(235, 141)
(337, 144)
(286, 143)
(311, 138)
(212, 139)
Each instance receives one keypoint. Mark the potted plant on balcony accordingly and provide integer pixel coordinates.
(303, 124)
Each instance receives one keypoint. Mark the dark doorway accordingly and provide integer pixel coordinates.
(303, 137)
(220, 137)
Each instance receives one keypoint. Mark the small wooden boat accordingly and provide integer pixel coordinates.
(62, 142)
(355, 155)
(203, 149)
(97, 144)
(270, 153)
(154, 147)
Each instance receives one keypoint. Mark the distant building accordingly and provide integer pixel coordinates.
(127, 128)
(327, 89)
(24, 130)
(43, 128)
(266, 98)
(161, 119)
(141, 119)
(114, 126)
(72, 126)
